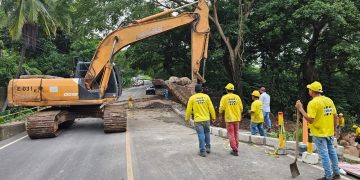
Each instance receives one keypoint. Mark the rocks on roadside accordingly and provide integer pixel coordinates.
(353, 151)
(183, 81)
(348, 141)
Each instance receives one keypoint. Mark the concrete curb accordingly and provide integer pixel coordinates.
(246, 137)
(258, 140)
(11, 129)
(351, 158)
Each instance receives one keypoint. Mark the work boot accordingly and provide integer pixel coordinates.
(234, 153)
(202, 154)
(336, 176)
(208, 150)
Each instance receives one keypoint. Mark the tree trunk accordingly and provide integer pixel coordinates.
(236, 74)
(307, 68)
(4, 106)
(21, 62)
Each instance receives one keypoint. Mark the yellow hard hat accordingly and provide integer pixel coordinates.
(341, 114)
(315, 86)
(355, 126)
(229, 87)
(255, 93)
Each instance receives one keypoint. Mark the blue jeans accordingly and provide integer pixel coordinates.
(327, 152)
(203, 132)
(255, 126)
(267, 119)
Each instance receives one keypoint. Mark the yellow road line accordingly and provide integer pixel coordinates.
(129, 170)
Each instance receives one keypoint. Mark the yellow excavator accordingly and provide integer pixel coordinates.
(97, 83)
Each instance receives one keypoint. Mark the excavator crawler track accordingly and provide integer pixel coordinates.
(115, 118)
(46, 124)
(43, 125)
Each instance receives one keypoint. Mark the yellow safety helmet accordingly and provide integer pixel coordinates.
(255, 93)
(355, 126)
(229, 87)
(341, 114)
(315, 86)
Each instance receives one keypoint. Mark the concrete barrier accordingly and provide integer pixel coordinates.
(259, 140)
(11, 129)
(340, 151)
(273, 142)
(290, 145)
(223, 133)
(244, 137)
(215, 131)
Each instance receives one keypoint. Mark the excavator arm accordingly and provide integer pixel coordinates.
(46, 91)
(102, 60)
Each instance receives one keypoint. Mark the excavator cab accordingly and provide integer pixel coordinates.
(114, 88)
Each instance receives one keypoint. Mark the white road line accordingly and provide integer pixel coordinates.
(13, 142)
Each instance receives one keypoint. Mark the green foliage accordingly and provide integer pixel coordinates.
(279, 36)
(22, 12)
(15, 114)
(288, 135)
(8, 64)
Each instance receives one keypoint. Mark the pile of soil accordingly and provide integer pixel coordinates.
(348, 141)
(157, 105)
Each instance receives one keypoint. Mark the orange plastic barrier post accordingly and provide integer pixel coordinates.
(305, 131)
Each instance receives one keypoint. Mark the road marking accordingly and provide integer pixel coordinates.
(13, 142)
(130, 173)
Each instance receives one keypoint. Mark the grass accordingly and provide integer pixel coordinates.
(289, 135)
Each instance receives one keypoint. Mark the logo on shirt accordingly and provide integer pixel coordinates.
(200, 100)
(232, 101)
(328, 110)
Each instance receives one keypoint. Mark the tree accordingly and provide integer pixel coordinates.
(234, 37)
(324, 24)
(23, 21)
(294, 47)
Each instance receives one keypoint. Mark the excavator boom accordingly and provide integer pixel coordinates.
(145, 28)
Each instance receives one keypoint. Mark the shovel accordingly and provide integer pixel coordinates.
(293, 166)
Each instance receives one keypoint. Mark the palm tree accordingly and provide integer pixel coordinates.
(25, 18)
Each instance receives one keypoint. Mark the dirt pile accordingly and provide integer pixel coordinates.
(348, 141)
(156, 105)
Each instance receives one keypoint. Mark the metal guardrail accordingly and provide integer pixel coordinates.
(20, 115)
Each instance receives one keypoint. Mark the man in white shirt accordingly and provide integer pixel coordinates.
(265, 99)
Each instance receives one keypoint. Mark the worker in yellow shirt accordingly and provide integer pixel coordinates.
(232, 106)
(357, 134)
(341, 123)
(203, 109)
(322, 116)
(257, 117)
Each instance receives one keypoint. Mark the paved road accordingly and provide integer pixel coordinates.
(156, 146)
(163, 148)
(136, 92)
(81, 152)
